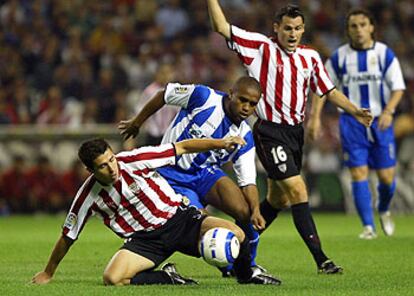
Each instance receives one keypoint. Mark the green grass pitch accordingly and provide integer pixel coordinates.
(384, 266)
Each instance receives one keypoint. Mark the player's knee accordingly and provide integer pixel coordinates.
(239, 233)
(297, 194)
(243, 214)
(282, 204)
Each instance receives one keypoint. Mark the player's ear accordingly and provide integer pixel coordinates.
(275, 27)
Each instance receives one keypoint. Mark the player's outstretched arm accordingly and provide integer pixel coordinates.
(202, 145)
(363, 115)
(61, 248)
(218, 19)
(130, 128)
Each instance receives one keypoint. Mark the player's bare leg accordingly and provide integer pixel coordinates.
(123, 266)
(227, 197)
(212, 222)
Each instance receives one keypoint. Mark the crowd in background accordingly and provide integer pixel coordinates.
(81, 62)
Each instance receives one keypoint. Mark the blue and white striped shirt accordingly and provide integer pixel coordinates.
(202, 115)
(367, 77)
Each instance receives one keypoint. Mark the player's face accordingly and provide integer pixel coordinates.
(289, 32)
(243, 102)
(106, 168)
(360, 31)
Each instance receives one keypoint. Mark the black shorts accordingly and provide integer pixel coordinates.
(181, 233)
(279, 147)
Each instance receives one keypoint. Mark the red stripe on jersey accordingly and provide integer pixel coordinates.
(105, 216)
(293, 83)
(149, 204)
(305, 87)
(165, 198)
(279, 85)
(85, 192)
(114, 207)
(321, 85)
(247, 43)
(147, 155)
(246, 60)
(264, 70)
(131, 208)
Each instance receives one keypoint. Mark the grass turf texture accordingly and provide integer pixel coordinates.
(384, 266)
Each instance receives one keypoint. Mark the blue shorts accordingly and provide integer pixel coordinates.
(366, 146)
(193, 185)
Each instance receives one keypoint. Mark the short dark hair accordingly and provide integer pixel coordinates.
(291, 10)
(247, 81)
(357, 11)
(364, 12)
(91, 149)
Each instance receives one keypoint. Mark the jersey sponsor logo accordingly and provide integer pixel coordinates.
(181, 90)
(282, 167)
(71, 221)
(196, 132)
(361, 78)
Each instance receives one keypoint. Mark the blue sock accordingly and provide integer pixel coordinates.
(253, 236)
(385, 194)
(363, 203)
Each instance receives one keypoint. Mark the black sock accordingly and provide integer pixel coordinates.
(268, 212)
(242, 264)
(303, 220)
(151, 277)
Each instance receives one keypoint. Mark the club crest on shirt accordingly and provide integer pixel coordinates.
(279, 68)
(134, 187)
(306, 73)
(71, 220)
(373, 61)
(181, 90)
(282, 167)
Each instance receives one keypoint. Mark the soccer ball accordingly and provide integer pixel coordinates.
(219, 247)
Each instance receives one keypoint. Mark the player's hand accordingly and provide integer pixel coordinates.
(313, 129)
(364, 116)
(41, 278)
(385, 120)
(230, 143)
(259, 223)
(128, 129)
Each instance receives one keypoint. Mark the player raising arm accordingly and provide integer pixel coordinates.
(287, 72)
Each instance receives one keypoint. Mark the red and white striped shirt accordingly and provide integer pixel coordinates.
(140, 199)
(285, 77)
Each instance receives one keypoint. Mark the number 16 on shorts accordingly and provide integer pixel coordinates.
(279, 157)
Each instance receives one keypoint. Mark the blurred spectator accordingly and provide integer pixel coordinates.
(14, 187)
(52, 108)
(156, 125)
(172, 18)
(71, 180)
(43, 187)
